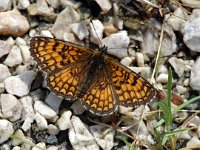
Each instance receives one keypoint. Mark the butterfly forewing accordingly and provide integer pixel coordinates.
(53, 54)
(130, 88)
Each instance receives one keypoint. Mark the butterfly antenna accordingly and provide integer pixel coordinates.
(101, 45)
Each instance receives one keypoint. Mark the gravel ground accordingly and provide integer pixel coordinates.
(32, 117)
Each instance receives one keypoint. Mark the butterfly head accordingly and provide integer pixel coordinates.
(103, 49)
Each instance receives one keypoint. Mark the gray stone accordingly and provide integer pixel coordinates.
(178, 65)
(64, 19)
(23, 4)
(5, 5)
(195, 75)
(5, 48)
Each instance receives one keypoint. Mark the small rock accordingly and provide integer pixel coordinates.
(40, 121)
(191, 32)
(162, 78)
(5, 5)
(10, 106)
(194, 143)
(80, 29)
(64, 19)
(53, 101)
(23, 4)
(21, 69)
(13, 24)
(52, 148)
(19, 85)
(191, 3)
(124, 110)
(178, 18)
(107, 140)
(20, 135)
(16, 148)
(46, 33)
(77, 108)
(14, 57)
(110, 29)
(143, 71)
(6, 130)
(80, 137)
(181, 89)
(52, 129)
(26, 55)
(5, 48)
(96, 31)
(53, 3)
(27, 124)
(195, 75)
(151, 40)
(20, 41)
(186, 82)
(163, 69)
(64, 121)
(2, 88)
(105, 5)
(126, 61)
(139, 59)
(40, 146)
(115, 47)
(70, 37)
(178, 65)
(4, 72)
(52, 139)
(44, 110)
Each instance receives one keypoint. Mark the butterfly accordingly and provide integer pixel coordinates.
(93, 76)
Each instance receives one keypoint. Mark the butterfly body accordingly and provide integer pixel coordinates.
(93, 76)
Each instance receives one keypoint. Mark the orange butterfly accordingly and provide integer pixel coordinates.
(93, 76)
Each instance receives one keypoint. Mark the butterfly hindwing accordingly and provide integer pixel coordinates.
(131, 89)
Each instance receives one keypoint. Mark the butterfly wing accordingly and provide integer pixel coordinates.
(66, 82)
(100, 98)
(130, 88)
(53, 54)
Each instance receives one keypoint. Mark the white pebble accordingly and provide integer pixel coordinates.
(27, 124)
(42, 145)
(181, 89)
(26, 54)
(20, 135)
(107, 141)
(2, 88)
(11, 107)
(16, 148)
(126, 61)
(139, 59)
(163, 69)
(80, 137)
(14, 57)
(96, 31)
(46, 33)
(40, 121)
(80, 29)
(52, 129)
(117, 44)
(178, 65)
(27, 107)
(20, 41)
(44, 110)
(64, 121)
(162, 78)
(19, 85)
(4, 72)
(105, 5)
(52, 148)
(6, 129)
